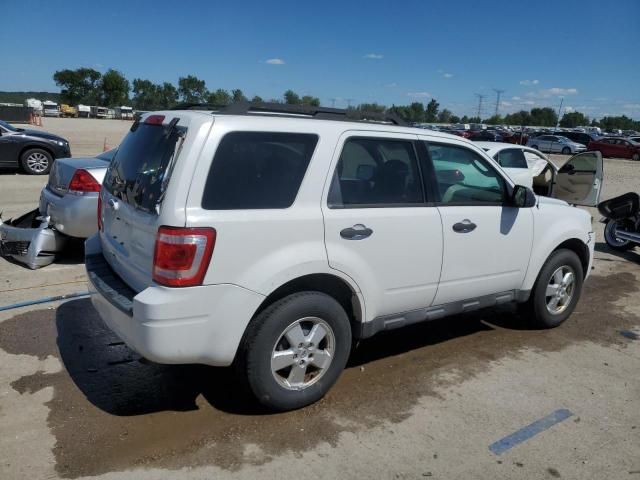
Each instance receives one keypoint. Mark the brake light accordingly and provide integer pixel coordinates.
(154, 120)
(83, 182)
(182, 255)
(99, 212)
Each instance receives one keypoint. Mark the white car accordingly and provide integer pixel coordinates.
(270, 237)
(531, 168)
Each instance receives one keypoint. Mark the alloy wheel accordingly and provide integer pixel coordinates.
(37, 162)
(560, 289)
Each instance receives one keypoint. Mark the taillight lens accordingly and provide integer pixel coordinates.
(154, 120)
(83, 182)
(99, 212)
(182, 255)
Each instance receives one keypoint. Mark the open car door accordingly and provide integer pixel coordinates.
(579, 181)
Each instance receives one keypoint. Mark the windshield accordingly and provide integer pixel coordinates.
(140, 170)
(8, 126)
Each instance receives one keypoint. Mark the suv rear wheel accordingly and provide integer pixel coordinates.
(295, 350)
(557, 290)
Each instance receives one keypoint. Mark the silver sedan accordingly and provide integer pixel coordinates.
(555, 144)
(70, 198)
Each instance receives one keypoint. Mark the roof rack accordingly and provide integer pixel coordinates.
(305, 111)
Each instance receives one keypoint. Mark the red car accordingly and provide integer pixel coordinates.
(616, 147)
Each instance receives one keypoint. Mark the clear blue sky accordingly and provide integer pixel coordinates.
(385, 51)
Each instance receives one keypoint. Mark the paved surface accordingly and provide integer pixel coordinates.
(426, 401)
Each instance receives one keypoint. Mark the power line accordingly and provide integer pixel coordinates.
(498, 93)
(480, 99)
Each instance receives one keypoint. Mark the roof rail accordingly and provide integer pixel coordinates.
(309, 111)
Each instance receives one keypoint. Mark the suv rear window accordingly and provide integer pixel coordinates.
(257, 170)
(140, 170)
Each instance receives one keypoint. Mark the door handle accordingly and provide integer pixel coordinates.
(464, 226)
(357, 232)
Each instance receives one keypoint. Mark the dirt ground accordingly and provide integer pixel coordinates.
(423, 402)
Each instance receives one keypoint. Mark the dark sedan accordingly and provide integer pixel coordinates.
(33, 150)
(486, 136)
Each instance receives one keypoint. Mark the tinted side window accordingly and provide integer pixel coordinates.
(374, 172)
(256, 170)
(465, 178)
(511, 158)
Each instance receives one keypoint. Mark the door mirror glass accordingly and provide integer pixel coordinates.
(523, 197)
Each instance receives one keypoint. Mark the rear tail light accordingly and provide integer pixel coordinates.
(99, 212)
(182, 255)
(83, 183)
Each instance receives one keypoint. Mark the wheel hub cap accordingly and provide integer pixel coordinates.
(560, 290)
(303, 353)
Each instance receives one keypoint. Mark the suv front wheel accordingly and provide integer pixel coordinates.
(556, 291)
(295, 350)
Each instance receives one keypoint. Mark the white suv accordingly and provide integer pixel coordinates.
(271, 240)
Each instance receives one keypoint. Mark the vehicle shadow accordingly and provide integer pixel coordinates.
(630, 255)
(118, 381)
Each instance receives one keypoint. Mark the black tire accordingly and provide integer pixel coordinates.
(536, 308)
(609, 237)
(635, 157)
(535, 147)
(36, 161)
(266, 334)
(566, 151)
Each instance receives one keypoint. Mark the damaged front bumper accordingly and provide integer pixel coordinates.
(30, 240)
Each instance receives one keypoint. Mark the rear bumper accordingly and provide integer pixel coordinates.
(73, 215)
(202, 324)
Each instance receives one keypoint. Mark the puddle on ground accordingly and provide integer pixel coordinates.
(113, 411)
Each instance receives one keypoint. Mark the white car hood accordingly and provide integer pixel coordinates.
(550, 201)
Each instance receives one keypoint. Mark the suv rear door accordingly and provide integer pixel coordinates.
(579, 181)
(133, 191)
(379, 227)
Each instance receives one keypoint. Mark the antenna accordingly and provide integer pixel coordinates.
(498, 93)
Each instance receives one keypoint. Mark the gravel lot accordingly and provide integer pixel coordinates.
(426, 401)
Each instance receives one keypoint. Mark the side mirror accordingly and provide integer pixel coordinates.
(523, 197)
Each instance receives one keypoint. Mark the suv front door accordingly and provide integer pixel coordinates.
(379, 227)
(487, 242)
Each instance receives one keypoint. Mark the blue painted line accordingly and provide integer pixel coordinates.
(529, 431)
(44, 300)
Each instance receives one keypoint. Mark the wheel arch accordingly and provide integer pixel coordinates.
(579, 248)
(332, 285)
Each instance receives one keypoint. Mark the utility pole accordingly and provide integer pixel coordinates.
(333, 102)
(559, 110)
(498, 93)
(349, 100)
(480, 99)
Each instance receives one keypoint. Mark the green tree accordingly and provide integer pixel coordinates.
(494, 120)
(78, 86)
(445, 116)
(371, 107)
(145, 95)
(573, 119)
(291, 98)
(431, 112)
(454, 119)
(219, 97)
(621, 122)
(257, 99)
(518, 118)
(192, 90)
(475, 120)
(238, 96)
(464, 119)
(544, 117)
(114, 89)
(168, 95)
(309, 100)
